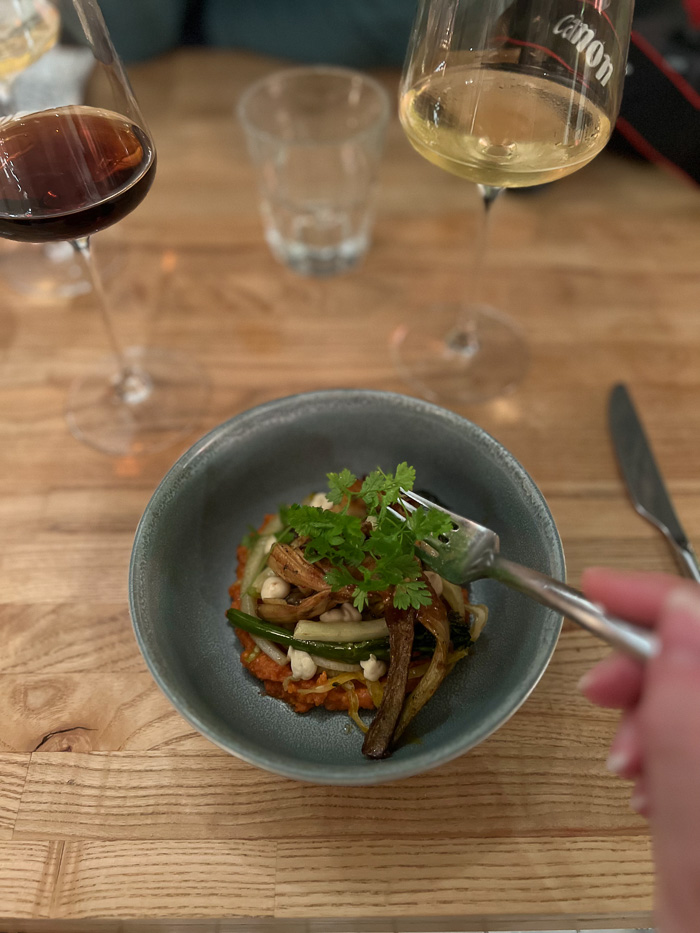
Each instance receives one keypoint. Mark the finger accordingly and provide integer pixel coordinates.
(615, 682)
(670, 719)
(637, 597)
(626, 750)
(639, 800)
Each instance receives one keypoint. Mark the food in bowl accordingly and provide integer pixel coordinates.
(184, 561)
(335, 609)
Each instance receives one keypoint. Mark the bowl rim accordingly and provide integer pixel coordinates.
(312, 772)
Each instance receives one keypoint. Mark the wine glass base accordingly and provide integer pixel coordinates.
(161, 401)
(485, 357)
(48, 271)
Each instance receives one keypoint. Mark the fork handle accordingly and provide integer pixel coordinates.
(638, 642)
(687, 558)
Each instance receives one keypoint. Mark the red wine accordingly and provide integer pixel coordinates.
(70, 172)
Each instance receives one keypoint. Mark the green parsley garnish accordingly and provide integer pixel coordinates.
(386, 557)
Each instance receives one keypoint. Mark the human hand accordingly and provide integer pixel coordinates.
(657, 744)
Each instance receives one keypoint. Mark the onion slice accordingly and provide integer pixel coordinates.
(272, 651)
(340, 666)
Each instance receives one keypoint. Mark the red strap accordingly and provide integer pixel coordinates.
(687, 90)
(692, 8)
(645, 148)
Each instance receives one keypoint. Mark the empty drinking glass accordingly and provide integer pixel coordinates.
(315, 136)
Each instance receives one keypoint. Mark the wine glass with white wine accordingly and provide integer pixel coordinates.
(507, 94)
(28, 29)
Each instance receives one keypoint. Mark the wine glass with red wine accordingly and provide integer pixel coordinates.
(65, 174)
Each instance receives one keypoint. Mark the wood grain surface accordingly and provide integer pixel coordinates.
(111, 807)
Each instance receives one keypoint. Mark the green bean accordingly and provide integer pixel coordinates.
(351, 652)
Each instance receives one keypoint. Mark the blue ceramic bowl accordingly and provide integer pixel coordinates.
(184, 559)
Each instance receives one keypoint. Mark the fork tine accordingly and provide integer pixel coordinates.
(426, 503)
(424, 545)
(428, 540)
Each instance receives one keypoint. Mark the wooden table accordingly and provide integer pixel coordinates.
(110, 805)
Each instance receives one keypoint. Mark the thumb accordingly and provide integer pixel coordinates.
(670, 718)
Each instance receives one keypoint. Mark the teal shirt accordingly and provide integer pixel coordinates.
(141, 29)
(357, 33)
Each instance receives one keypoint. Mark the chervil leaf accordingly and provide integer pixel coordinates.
(383, 547)
(425, 524)
(339, 486)
(372, 487)
(405, 476)
(378, 560)
(383, 489)
(334, 535)
(389, 571)
(360, 599)
(413, 593)
(338, 577)
(309, 521)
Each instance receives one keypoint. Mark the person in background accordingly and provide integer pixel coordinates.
(657, 744)
(355, 33)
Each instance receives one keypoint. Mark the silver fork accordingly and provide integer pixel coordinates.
(470, 552)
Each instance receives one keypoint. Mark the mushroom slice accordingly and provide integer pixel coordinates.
(381, 732)
(290, 564)
(281, 611)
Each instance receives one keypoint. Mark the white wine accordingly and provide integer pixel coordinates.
(502, 128)
(24, 40)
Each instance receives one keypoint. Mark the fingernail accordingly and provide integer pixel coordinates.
(586, 681)
(622, 750)
(618, 761)
(681, 624)
(639, 803)
(686, 601)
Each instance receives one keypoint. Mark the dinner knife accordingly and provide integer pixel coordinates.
(643, 478)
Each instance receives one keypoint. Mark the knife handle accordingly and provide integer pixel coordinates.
(687, 560)
(639, 642)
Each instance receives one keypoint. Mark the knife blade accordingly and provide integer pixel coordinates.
(643, 478)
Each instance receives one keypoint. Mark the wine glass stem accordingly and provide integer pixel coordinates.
(7, 98)
(489, 196)
(131, 385)
(464, 338)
